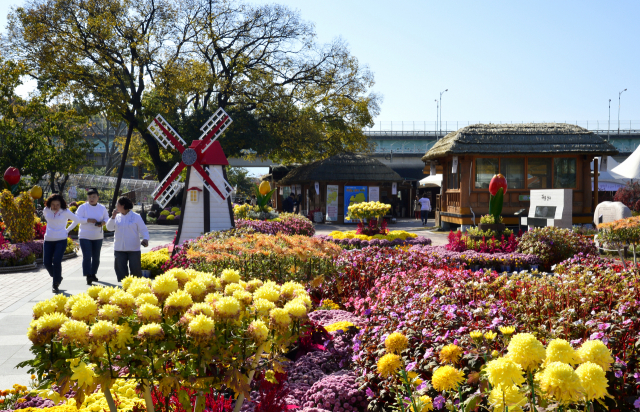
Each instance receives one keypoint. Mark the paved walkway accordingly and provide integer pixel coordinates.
(20, 291)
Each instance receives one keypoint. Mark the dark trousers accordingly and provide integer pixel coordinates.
(90, 256)
(120, 264)
(424, 215)
(53, 252)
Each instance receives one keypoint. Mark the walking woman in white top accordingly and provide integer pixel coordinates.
(128, 226)
(55, 237)
(91, 235)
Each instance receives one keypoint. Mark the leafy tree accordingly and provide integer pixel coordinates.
(106, 131)
(238, 178)
(291, 99)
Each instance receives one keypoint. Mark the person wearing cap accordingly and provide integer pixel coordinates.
(128, 227)
(90, 234)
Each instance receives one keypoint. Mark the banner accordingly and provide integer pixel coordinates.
(374, 193)
(332, 203)
(394, 188)
(353, 194)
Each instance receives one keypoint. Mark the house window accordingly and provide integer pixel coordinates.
(564, 173)
(193, 195)
(513, 170)
(486, 168)
(539, 173)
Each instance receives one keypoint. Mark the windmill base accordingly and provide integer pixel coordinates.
(202, 212)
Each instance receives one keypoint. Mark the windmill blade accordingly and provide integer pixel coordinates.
(165, 135)
(221, 187)
(169, 186)
(213, 128)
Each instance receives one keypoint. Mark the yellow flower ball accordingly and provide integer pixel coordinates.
(388, 364)
(450, 354)
(124, 300)
(593, 380)
(202, 308)
(505, 372)
(447, 378)
(60, 300)
(525, 350)
(259, 331)
(231, 288)
(262, 307)
(597, 352)
(280, 318)
(85, 309)
(396, 342)
(227, 307)
(196, 288)
(164, 285)
(177, 302)
(267, 292)
(152, 331)
(74, 331)
(230, 276)
(123, 337)
(179, 275)
(43, 308)
(296, 309)
(94, 291)
(149, 313)
(128, 281)
(559, 350)
(105, 295)
(559, 381)
(139, 289)
(288, 288)
(109, 312)
(253, 285)
(146, 298)
(508, 396)
(103, 331)
(201, 327)
(212, 298)
(243, 296)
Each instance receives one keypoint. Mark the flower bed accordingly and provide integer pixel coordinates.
(352, 240)
(154, 260)
(169, 216)
(286, 223)
(437, 306)
(476, 260)
(460, 242)
(553, 245)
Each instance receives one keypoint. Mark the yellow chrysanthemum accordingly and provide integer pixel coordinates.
(196, 289)
(505, 372)
(74, 331)
(105, 295)
(152, 331)
(178, 302)
(396, 342)
(597, 352)
(139, 289)
(342, 325)
(208, 280)
(296, 309)
(230, 276)
(593, 380)
(262, 307)
(83, 374)
(280, 318)
(123, 337)
(243, 296)
(476, 335)
(559, 350)
(103, 331)
(450, 354)
(212, 298)
(124, 300)
(507, 330)
(179, 274)
(525, 350)
(164, 285)
(424, 403)
(109, 312)
(559, 381)
(128, 281)
(146, 298)
(201, 327)
(227, 307)
(490, 335)
(253, 285)
(288, 288)
(73, 299)
(201, 308)
(94, 291)
(149, 313)
(232, 287)
(388, 364)
(60, 300)
(507, 396)
(267, 292)
(447, 378)
(259, 331)
(303, 298)
(84, 309)
(43, 308)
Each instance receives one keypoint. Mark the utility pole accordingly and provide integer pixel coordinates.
(441, 93)
(437, 113)
(619, 94)
(609, 124)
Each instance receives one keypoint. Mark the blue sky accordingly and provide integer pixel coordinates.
(500, 60)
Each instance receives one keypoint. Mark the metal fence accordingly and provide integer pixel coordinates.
(451, 125)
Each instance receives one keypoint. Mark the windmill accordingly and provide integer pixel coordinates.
(206, 178)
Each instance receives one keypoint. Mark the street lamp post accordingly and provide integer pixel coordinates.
(609, 124)
(441, 93)
(619, 94)
(437, 113)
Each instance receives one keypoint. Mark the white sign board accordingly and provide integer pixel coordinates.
(610, 211)
(374, 193)
(394, 188)
(550, 207)
(317, 186)
(332, 203)
(432, 170)
(454, 165)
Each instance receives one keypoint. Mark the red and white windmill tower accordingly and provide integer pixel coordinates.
(205, 162)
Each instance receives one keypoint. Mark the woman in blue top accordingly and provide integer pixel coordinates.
(55, 237)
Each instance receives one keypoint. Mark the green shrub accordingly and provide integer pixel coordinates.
(553, 245)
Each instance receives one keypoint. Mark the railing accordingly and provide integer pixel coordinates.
(446, 126)
(453, 199)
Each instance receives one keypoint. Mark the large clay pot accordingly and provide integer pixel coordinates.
(495, 227)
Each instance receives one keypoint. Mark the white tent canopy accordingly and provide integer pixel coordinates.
(431, 181)
(630, 168)
(608, 180)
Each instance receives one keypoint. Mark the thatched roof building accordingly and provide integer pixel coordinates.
(343, 167)
(528, 138)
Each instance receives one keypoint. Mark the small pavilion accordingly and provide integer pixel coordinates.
(530, 156)
(360, 176)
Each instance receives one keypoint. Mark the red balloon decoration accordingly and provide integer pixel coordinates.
(12, 175)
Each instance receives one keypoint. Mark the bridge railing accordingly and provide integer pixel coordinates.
(447, 126)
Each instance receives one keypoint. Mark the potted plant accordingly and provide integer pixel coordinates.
(493, 221)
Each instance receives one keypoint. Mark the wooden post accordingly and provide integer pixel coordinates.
(595, 183)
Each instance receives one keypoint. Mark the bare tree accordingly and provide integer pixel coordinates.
(106, 131)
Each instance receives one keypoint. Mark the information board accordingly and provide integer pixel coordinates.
(332, 203)
(353, 194)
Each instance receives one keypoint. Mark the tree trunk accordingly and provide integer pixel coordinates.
(121, 171)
